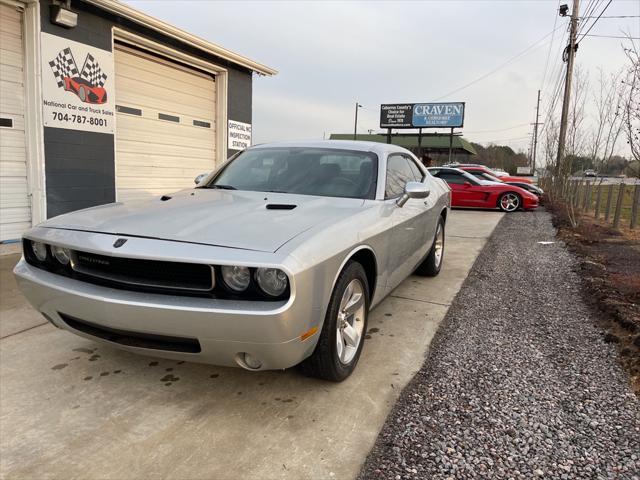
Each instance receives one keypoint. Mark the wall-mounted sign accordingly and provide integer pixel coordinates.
(422, 115)
(77, 85)
(239, 135)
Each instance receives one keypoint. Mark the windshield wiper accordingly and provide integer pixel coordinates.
(220, 187)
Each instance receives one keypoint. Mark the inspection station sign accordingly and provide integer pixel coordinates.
(239, 135)
(77, 85)
(422, 115)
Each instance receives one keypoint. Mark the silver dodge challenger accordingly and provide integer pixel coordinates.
(272, 260)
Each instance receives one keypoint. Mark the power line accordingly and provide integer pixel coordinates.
(612, 36)
(615, 16)
(482, 77)
(546, 64)
(498, 130)
(595, 21)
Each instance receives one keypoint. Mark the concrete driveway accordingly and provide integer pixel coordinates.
(71, 408)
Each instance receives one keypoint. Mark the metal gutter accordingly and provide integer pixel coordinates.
(148, 21)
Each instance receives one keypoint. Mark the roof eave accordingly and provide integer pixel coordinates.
(148, 21)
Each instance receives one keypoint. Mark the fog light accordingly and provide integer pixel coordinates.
(61, 254)
(251, 361)
(39, 250)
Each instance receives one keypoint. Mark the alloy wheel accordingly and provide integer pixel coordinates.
(350, 321)
(510, 202)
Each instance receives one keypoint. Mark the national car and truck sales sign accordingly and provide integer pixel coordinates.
(422, 115)
(77, 85)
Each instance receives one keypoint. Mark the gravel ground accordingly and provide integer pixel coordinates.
(519, 382)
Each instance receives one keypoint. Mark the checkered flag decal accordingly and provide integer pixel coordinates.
(64, 65)
(92, 72)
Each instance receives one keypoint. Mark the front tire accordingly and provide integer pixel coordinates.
(430, 266)
(509, 202)
(342, 337)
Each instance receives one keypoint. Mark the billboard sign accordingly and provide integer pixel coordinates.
(438, 115)
(396, 115)
(422, 115)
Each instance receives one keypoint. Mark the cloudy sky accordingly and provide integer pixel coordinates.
(330, 54)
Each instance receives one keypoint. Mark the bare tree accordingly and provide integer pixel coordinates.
(608, 100)
(631, 105)
(575, 131)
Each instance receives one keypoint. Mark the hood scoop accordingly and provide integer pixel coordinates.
(280, 206)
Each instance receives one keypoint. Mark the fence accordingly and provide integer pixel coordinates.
(614, 203)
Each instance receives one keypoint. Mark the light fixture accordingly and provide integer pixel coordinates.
(564, 9)
(63, 15)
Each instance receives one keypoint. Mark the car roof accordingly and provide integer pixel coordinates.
(355, 145)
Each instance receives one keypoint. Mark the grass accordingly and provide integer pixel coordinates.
(627, 200)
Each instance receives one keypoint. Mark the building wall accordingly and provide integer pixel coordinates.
(80, 166)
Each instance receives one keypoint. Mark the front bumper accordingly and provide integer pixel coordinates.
(530, 203)
(224, 329)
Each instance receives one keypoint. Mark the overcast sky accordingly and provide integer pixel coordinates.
(331, 54)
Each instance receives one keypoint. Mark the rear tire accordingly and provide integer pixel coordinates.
(329, 361)
(430, 266)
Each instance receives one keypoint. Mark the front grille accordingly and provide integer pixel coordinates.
(134, 339)
(151, 274)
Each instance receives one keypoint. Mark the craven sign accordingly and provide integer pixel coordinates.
(422, 115)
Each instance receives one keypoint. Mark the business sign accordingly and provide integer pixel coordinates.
(422, 115)
(239, 135)
(77, 85)
(523, 170)
(396, 115)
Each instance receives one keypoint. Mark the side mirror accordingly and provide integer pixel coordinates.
(200, 177)
(413, 190)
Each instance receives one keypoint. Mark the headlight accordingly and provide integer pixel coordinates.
(272, 281)
(61, 254)
(235, 277)
(39, 250)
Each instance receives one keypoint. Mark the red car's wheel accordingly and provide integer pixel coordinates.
(509, 202)
(82, 93)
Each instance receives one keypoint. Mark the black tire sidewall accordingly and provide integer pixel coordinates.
(351, 271)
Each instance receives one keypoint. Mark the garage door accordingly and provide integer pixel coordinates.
(15, 211)
(165, 125)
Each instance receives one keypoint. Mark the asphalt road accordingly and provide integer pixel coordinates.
(71, 408)
(519, 382)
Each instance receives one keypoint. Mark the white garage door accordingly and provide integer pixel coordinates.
(15, 211)
(165, 125)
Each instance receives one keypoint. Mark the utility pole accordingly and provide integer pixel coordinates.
(355, 126)
(535, 136)
(567, 85)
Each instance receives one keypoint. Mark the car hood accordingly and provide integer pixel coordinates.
(238, 219)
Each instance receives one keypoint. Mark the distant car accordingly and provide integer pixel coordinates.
(469, 191)
(590, 173)
(504, 176)
(84, 90)
(482, 174)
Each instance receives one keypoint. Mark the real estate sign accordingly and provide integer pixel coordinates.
(422, 115)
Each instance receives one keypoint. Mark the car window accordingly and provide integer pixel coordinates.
(417, 173)
(399, 172)
(300, 170)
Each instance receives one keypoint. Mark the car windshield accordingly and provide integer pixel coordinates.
(305, 171)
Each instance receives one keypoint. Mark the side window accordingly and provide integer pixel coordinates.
(417, 173)
(398, 174)
(452, 177)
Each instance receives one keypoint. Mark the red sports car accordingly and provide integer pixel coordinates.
(84, 90)
(469, 191)
(482, 169)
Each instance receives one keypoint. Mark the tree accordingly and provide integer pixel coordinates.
(631, 104)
